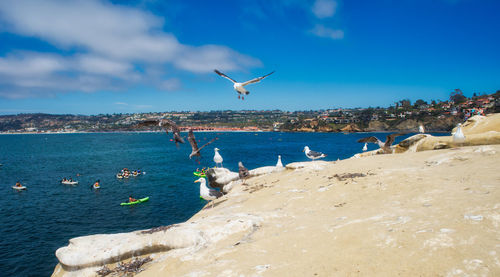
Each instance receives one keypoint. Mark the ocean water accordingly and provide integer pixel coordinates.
(36, 222)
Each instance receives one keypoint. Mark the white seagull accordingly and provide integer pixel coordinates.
(365, 147)
(207, 193)
(313, 155)
(279, 164)
(217, 157)
(458, 136)
(239, 87)
(421, 129)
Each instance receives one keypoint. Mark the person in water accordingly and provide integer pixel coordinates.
(18, 184)
(97, 184)
(131, 199)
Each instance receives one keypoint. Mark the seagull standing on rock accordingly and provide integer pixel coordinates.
(217, 157)
(207, 193)
(313, 155)
(421, 129)
(279, 164)
(239, 87)
(365, 147)
(242, 172)
(458, 136)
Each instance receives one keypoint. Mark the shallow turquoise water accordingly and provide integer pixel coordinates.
(38, 221)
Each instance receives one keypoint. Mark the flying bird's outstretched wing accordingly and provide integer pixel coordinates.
(195, 151)
(369, 139)
(256, 80)
(224, 75)
(390, 138)
(169, 124)
(192, 141)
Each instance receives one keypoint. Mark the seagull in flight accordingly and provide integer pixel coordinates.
(239, 87)
(313, 155)
(385, 146)
(195, 152)
(168, 125)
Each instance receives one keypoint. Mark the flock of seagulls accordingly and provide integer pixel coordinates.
(211, 194)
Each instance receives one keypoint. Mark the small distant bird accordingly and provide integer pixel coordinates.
(458, 136)
(217, 157)
(208, 193)
(385, 146)
(279, 164)
(195, 151)
(421, 129)
(168, 125)
(313, 155)
(239, 87)
(242, 171)
(365, 147)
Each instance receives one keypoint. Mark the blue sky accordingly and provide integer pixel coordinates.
(97, 56)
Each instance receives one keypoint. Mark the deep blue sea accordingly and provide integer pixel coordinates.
(35, 222)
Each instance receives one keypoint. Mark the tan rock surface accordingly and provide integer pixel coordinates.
(433, 213)
(481, 124)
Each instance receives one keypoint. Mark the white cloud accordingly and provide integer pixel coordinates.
(324, 8)
(109, 43)
(325, 32)
(170, 84)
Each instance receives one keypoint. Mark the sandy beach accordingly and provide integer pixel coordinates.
(428, 213)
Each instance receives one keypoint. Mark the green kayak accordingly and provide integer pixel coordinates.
(199, 174)
(135, 202)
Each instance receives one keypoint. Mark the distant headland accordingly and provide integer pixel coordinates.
(436, 116)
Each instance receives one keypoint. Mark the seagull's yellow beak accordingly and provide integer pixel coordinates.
(197, 181)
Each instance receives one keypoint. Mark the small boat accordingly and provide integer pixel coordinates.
(19, 188)
(135, 202)
(69, 182)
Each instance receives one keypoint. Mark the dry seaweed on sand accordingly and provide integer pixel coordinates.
(345, 176)
(132, 267)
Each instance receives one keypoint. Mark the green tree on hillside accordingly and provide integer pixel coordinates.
(457, 96)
